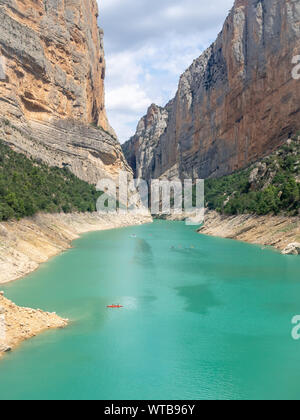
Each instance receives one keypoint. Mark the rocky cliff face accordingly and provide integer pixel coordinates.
(52, 96)
(141, 149)
(237, 102)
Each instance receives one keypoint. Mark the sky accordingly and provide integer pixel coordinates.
(148, 45)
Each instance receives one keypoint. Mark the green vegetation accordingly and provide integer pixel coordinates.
(28, 186)
(269, 187)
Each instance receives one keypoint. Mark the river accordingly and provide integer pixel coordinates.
(203, 318)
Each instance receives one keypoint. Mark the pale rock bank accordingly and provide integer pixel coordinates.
(280, 232)
(18, 324)
(25, 244)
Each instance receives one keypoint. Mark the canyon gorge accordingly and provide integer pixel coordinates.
(52, 109)
(135, 308)
(235, 104)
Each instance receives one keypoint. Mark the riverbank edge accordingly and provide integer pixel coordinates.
(25, 245)
(20, 324)
(279, 232)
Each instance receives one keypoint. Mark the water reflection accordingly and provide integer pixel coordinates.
(200, 299)
(143, 254)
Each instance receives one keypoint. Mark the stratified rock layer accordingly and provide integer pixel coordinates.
(52, 96)
(236, 103)
(280, 232)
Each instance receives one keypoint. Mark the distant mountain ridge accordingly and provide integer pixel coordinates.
(236, 103)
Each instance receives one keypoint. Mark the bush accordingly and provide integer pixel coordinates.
(28, 186)
(233, 194)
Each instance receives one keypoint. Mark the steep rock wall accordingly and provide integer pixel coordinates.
(52, 96)
(236, 103)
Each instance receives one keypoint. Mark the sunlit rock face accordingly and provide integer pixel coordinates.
(52, 96)
(235, 103)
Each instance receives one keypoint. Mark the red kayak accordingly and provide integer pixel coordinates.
(115, 306)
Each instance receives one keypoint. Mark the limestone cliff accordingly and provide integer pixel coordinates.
(52, 95)
(236, 103)
(141, 149)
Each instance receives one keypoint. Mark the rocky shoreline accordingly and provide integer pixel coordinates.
(280, 232)
(18, 324)
(27, 243)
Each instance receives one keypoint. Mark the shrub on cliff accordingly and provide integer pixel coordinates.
(28, 186)
(269, 187)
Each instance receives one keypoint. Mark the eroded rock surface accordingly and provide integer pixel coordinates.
(27, 243)
(292, 249)
(279, 232)
(18, 324)
(236, 103)
(52, 96)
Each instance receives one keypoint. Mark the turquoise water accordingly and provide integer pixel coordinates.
(203, 318)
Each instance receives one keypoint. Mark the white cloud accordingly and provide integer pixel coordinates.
(123, 67)
(175, 12)
(148, 45)
(127, 99)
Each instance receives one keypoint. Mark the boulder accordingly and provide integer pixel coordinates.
(292, 249)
